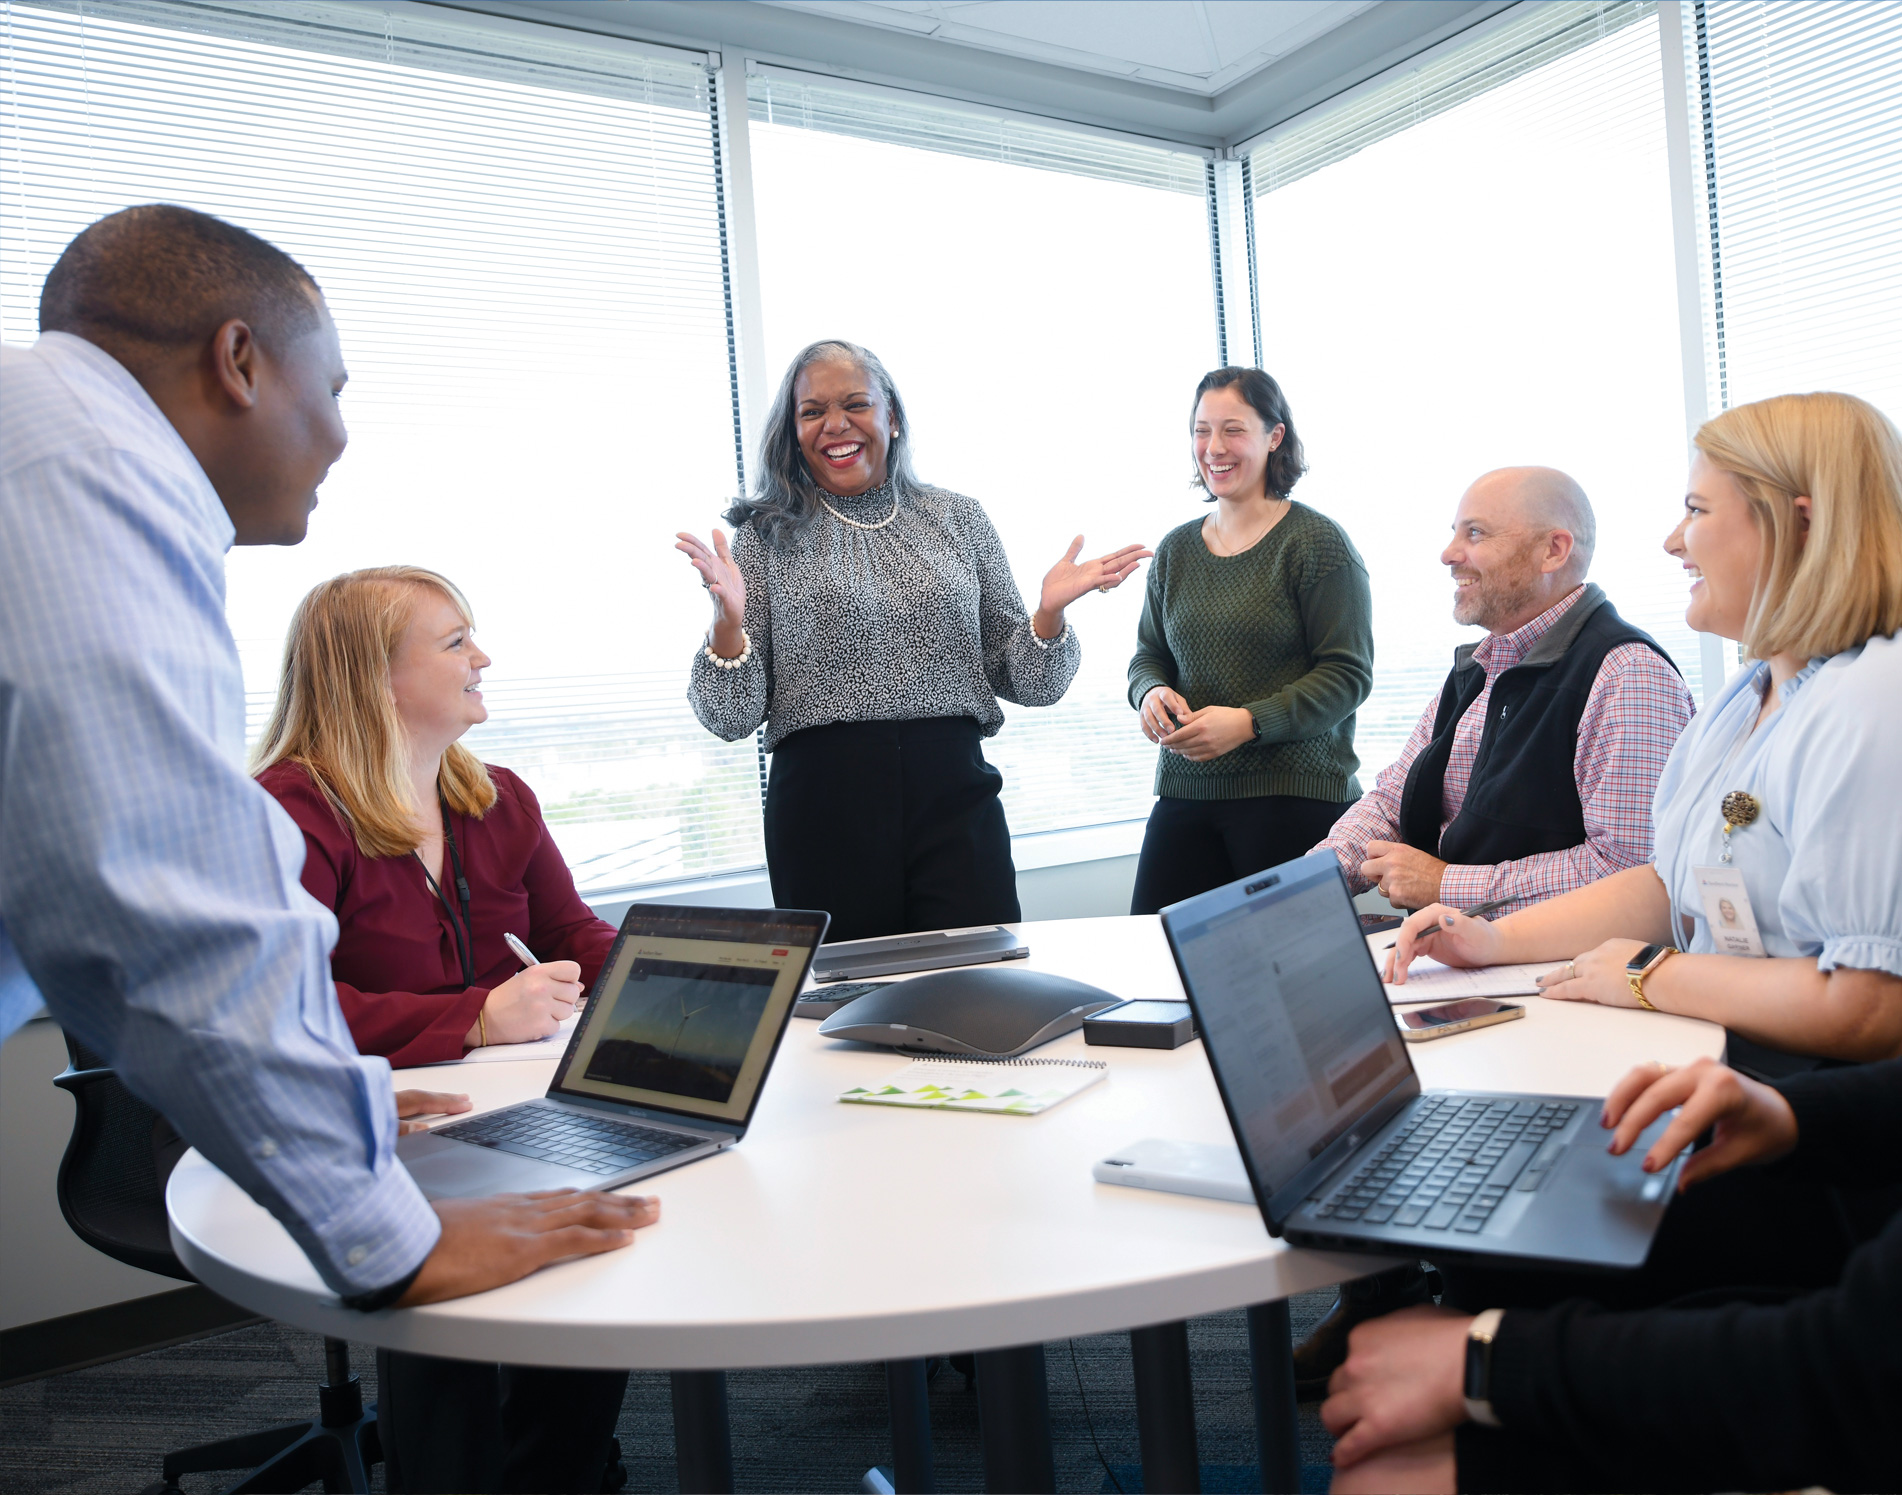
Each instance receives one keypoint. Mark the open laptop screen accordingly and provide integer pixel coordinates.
(1292, 1012)
(688, 1009)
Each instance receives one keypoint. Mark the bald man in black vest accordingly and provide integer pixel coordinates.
(1529, 774)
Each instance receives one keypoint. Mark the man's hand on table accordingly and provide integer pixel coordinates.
(1403, 1382)
(412, 1103)
(1404, 875)
(486, 1243)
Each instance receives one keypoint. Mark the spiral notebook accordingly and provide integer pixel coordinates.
(1007, 1087)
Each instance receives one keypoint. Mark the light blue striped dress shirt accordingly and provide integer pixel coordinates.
(149, 888)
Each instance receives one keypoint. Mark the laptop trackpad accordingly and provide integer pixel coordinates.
(446, 1169)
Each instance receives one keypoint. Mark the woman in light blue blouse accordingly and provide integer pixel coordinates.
(1778, 869)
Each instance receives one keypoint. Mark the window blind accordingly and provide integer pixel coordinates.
(518, 237)
(1804, 131)
(1042, 298)
(1414, 316)
(1533, 36)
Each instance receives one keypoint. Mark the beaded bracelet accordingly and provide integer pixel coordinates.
(721, 662)
(1051, 643)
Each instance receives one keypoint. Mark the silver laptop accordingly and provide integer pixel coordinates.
(664, 1068)
(932, 950)
(1343, 1148)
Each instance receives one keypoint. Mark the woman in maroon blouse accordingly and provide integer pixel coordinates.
(426, 855)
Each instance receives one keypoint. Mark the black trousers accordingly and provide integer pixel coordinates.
(452, 1426)
(890, 827)
(1192, 845)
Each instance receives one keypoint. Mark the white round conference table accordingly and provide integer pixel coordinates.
(853, 1233)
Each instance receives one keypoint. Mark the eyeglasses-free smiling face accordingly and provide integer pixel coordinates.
(1495, 556)
(1232, 444)
(1721, 547)
(845, 427)
(436, 674)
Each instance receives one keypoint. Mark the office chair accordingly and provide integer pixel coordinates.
(112, 1193)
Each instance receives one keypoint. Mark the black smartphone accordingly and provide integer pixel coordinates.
(1379, 923)
(1418, 1024)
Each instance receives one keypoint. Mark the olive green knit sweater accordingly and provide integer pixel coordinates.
(1284, 630)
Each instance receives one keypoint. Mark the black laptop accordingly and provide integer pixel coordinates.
(1343, 1148)
(664, 1068)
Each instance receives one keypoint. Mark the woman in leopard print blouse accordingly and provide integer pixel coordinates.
(871, 623)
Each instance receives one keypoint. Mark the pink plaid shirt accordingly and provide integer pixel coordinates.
(1637, 708)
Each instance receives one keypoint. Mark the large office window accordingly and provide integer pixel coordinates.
(1470, 266)
(1043, 299)
(519, 238)
(1801, 115)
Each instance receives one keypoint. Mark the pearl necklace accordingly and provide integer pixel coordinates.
(855, 523)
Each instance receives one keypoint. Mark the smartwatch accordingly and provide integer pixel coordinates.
(1480, 1335)
(1642, 965)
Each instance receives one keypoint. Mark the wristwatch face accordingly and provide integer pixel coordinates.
(1641, 962)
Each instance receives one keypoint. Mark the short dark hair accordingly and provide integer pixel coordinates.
(786, 497)
(162, 277)
(1286, 462)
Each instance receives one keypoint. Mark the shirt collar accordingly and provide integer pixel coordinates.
(136, 423)
(1501, 651)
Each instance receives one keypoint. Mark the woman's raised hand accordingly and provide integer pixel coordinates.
(531, 1004)
(725, 586)
(1070, 578)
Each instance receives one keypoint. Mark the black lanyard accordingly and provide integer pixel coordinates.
(463, 929)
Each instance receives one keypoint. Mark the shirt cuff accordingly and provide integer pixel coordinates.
(1463, 887)
(379, 1238)
(1862, 952)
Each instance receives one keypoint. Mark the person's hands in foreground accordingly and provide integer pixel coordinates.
(1429, 1467)
(1405, 876)
(1210, 732)
(531, 1004)
(1749, 1122)
(488, 1242)
(1446, 935)
(1403, 1380)
(411, 1103)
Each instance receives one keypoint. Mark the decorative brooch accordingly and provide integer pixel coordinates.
(1740, 809)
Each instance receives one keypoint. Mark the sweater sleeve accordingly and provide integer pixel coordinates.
(732, 704)
(1738, 1397)
(1337, 620)
(1742, 1397)
(1018, 665)
(1153, 664)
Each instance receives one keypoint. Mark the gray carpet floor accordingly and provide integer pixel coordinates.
(102, 1431)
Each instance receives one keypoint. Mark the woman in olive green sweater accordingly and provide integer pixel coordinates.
(1256, 646)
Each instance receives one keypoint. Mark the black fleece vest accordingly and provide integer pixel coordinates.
(1522, 799)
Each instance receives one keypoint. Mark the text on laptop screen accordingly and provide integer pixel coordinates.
(686, 1015)
(1294, 1016)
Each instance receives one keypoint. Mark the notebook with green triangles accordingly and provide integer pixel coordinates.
(1007, 1087)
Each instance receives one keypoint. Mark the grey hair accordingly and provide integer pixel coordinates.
(1556, 501)
(786, 496)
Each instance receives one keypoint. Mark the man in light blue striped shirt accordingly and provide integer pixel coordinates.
(182, 397)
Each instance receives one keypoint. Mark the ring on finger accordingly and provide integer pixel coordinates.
(1571, 970)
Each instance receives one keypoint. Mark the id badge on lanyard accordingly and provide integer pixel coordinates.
(1733, 922)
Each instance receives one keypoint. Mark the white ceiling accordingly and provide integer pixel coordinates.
(1197, 46)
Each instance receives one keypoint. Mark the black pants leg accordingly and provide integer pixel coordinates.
(890, 827)
(1192, 845)
(451, 1426)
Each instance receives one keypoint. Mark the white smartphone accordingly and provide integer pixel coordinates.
(1418, 1024)
(1200, 1168)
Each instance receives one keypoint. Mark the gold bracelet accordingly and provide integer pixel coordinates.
(482, 1024)
(1635, 979)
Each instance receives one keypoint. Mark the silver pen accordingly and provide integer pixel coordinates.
(522, 953)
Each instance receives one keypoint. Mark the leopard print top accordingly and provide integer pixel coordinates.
(919, 618)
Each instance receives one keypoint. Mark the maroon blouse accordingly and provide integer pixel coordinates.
(399, 978)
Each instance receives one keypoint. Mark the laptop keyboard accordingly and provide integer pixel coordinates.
(594, 1144)
(1452, 1163)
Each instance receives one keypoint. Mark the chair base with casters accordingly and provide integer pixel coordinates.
(112, 1193)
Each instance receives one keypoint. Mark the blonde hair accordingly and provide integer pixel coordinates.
(1841, 584)
(336, 712)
